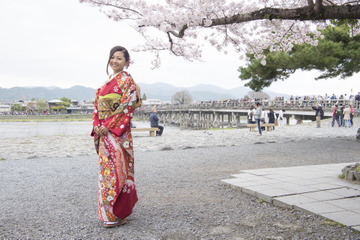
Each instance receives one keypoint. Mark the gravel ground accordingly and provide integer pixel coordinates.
(180, 194)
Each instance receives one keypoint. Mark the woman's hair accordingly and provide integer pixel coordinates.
(117, 49)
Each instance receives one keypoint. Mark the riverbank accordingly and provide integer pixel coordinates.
(71, 139)
(54, 194)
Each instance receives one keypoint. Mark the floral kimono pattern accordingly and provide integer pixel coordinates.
(114, 107)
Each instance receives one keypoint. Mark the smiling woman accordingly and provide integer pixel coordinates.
(115, 104)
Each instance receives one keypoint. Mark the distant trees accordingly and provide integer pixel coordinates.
(17, 107)
(66, 101)
(144, 97)
(41, 106)
(182, 97)
(258, 95)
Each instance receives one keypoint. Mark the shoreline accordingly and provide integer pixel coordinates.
(73, 139)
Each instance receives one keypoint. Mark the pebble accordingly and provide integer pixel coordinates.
(54, 195)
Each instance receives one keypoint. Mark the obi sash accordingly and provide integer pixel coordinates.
(108, 105)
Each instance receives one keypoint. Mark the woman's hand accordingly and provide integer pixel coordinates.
(103, 131)
(96, 130)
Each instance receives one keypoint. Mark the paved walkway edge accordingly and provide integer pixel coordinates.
(313, 188)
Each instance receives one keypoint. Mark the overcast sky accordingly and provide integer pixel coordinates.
(64, 43)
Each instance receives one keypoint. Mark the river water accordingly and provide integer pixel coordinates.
(33, 129)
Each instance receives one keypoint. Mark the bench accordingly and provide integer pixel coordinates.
(268, 126)
(151, 130)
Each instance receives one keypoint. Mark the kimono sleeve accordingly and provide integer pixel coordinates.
(95, 118)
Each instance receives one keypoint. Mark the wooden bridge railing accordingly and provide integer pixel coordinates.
(327, 105)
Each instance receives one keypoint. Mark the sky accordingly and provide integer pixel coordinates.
(64, 43)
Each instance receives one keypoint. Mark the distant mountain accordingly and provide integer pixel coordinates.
(27, 93)
(161, 91)
(201, 92)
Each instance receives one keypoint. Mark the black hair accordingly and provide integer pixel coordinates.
(117, 49)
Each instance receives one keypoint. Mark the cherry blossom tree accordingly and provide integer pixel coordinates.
(244, 26)
(182, 97)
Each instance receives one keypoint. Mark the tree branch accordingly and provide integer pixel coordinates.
(181, 32)
(112, 5)
(302, 14)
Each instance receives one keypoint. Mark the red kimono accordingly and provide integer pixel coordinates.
(114, 107)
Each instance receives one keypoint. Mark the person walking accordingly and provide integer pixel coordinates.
(319, 114)
(335, 116)
(258, 114)
(154, 123)
(115, 104)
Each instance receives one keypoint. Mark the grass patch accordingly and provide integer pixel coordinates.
(229, 128)
(333, 223)
(342, 176)
(2, 159)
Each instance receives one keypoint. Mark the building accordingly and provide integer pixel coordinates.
(81, 108)
(151, 102)
(4, 109)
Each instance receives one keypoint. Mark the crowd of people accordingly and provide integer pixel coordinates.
(257, 115)
(343, 115)
(293, 101)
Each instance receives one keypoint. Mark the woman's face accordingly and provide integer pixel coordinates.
(118, 62)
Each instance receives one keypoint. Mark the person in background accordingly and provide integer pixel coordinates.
(347, 113)
(281, 118)
(335, 116)
(342, 122)
(258, 115)
(251, 115)
(352, 114)
(154, 122)
(357, 99)
(319, 113)
(271, 116)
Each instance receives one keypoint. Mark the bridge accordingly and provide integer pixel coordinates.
(234, 114)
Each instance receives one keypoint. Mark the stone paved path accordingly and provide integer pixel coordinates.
(312, 188)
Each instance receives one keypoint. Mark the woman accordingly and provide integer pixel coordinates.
(258, 114)
(115, 103)
(347, 118)
(352, 114)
